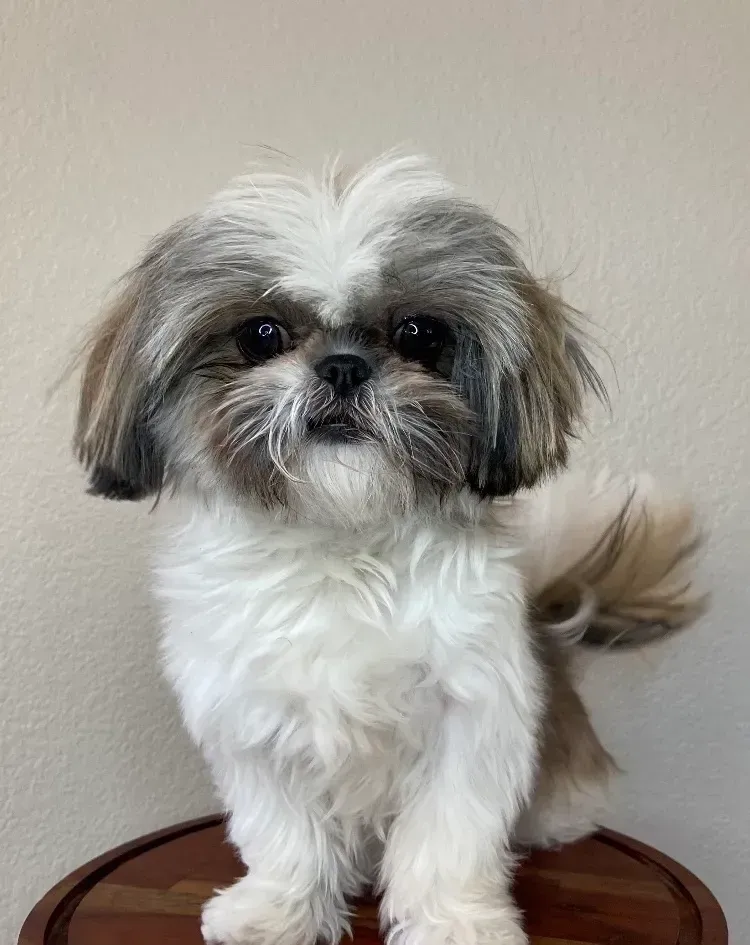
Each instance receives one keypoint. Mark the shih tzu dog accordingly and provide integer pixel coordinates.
(360, 395)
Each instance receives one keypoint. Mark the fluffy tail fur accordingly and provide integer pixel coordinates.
(611, 561)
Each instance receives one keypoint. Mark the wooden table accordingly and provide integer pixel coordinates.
(607, 890)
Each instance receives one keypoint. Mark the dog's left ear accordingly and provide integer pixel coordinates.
(114, 439)
(527, 411)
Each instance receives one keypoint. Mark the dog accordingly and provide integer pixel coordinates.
(361, 399)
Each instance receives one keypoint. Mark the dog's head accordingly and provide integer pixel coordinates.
(343, 351)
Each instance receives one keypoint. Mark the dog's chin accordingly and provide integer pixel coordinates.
(333, 431)
(344, 481)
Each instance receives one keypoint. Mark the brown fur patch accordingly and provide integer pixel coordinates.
(574, 769)
(639, 571)
(551, 387)
(571, 752)
(112, 438)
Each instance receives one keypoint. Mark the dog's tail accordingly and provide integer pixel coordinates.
(610, 561)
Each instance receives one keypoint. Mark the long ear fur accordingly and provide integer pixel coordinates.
(113, 437)
(536, 405)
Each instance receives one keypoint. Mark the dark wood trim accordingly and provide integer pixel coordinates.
(708, 915)
(701, 919)
(47, 922)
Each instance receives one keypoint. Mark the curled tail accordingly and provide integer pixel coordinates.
(610, 560)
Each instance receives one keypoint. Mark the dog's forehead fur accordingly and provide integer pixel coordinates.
(394, 234)
(335, 239)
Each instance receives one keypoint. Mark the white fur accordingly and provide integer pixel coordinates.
(327, 243)
(348, 686)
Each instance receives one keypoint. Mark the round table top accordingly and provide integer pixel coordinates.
(606, 890)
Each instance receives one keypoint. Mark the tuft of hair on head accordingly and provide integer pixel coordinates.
(611, 561)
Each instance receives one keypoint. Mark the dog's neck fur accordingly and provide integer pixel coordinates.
(398, 581)
(386, 526)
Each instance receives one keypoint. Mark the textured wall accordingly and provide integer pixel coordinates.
(613, 136)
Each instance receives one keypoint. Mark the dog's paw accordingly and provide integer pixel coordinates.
(506, 930)
(230, 919)
(245, 914)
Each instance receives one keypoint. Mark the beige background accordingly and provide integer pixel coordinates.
(613, 135)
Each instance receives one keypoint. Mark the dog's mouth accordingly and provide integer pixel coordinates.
(334, 427)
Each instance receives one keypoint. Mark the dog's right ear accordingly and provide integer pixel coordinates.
(114, 439)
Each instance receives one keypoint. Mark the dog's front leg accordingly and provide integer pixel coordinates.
(298, 860)
(447, 864)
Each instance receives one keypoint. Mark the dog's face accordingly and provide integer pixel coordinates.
(343, 351)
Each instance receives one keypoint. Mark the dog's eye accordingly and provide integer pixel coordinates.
(261, 338)
(420, 338)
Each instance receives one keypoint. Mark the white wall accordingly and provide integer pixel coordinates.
(614, 136)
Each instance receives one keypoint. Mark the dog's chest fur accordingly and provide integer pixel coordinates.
(338, 656)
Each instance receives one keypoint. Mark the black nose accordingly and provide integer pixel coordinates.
(343, 372)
